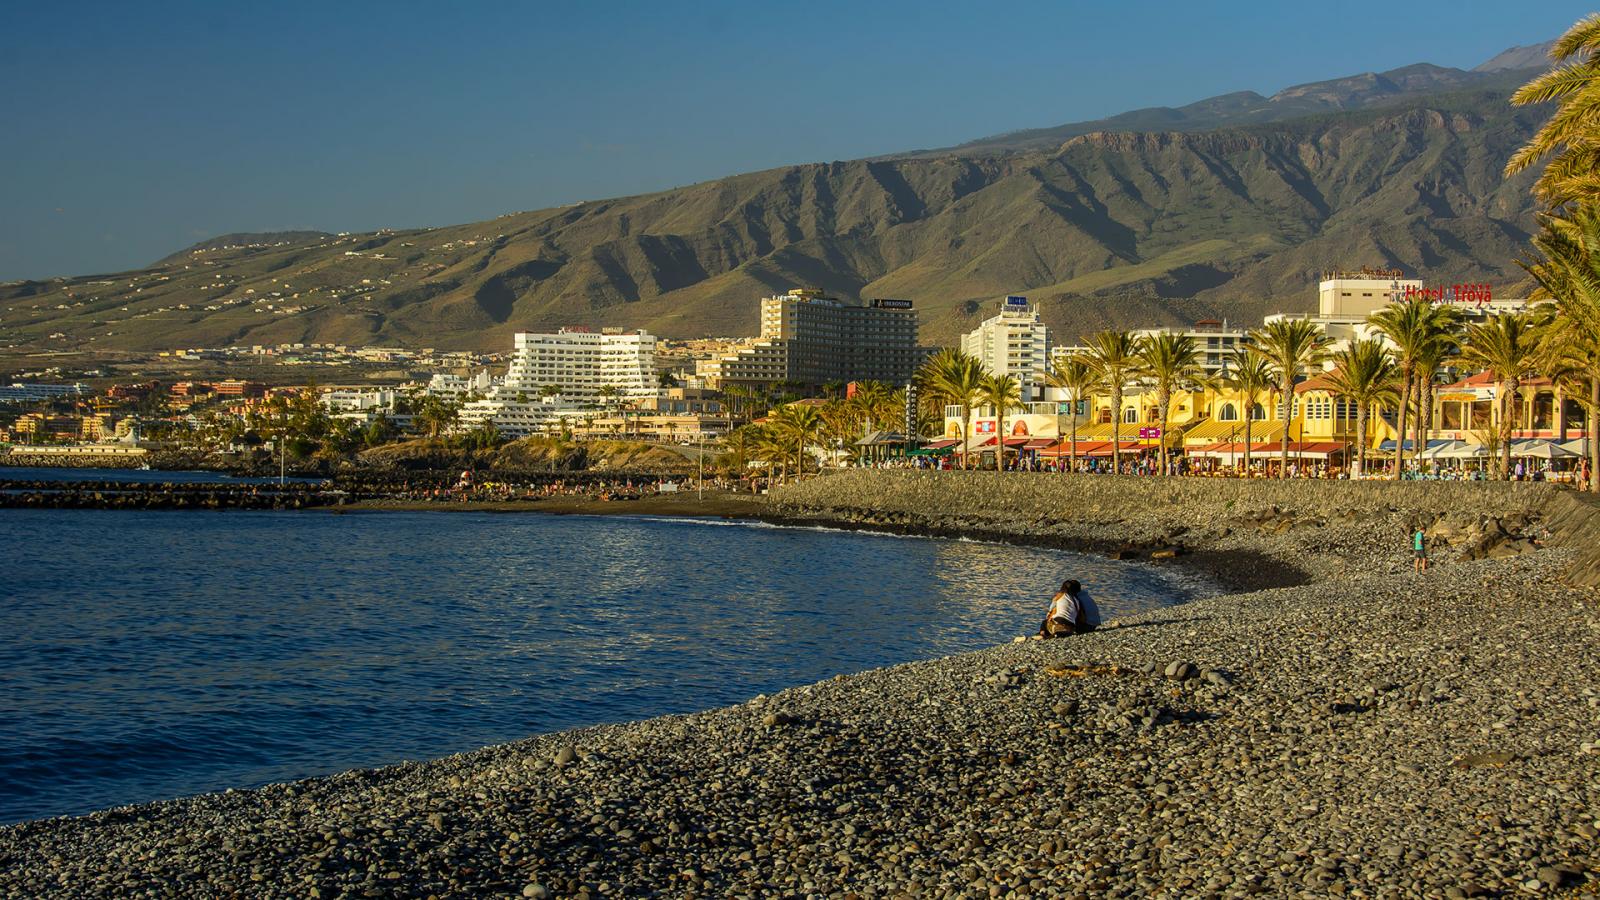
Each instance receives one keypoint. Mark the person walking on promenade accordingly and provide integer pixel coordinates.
(1419, 549)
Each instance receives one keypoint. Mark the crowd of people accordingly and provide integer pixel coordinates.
(1149, 464)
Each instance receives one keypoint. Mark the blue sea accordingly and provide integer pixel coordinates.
(149, 655)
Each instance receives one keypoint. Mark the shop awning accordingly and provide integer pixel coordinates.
(1212, 430)
(944, 444)
(1039, 443)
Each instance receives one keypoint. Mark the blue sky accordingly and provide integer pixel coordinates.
(134, 130)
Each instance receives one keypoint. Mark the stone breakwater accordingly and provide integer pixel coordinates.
(1374, 733)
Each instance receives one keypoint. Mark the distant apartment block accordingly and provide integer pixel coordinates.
(1215, 340)
(35, 393)
(810, 338)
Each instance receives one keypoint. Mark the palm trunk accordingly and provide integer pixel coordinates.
(1166, 403)
(1361, 439)
(966, 435)
(1288, 419)
(1400, 429)
(999, 438)
(1072, 460)
(1506, 389)
(1421, 421)
(1561, 414)
(1592, 425)
(1249, 410)
(1116, 430)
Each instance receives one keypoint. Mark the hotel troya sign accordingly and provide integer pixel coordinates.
(1476, 294)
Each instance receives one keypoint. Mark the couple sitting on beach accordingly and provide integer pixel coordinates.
(1072, 611)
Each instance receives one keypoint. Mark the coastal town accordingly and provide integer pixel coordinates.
(1198, 502)
(1389, 377)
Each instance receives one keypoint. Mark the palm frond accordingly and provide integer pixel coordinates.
(1584, 35)
(1556, 83)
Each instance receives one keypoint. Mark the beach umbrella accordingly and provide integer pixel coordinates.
(1441, 449)
(1466, 451)
(1542, 450)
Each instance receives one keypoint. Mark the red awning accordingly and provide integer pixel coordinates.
(1038, 444)
(1092, 448)
(1304, 449)
(1016, 441)
(940, 445)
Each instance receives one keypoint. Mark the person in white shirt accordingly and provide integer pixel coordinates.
(1071, 612)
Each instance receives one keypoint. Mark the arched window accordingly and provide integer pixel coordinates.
(1229, 413)
(1130, 416)
(1257, 412)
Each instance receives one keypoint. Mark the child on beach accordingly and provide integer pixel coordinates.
(1419, 548)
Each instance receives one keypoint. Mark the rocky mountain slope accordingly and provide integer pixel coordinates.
(1129, 227)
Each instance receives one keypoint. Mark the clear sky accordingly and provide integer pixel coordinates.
(135, 129)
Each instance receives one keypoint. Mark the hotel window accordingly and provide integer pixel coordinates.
(1130, 416)
(1229, 413)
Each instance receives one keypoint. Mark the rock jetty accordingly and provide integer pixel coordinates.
(1363, 732)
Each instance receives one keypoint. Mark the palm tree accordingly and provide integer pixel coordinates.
(1573, 173)
(797, 425)
(735, 456)
(1004, 393)
(1249, 374)
(1505, 345)
(1364, 374)
(769, 446)
(1569, 276)
(1170, 360)
(1115, 357)
(1077, 376)
(1443, 346)
(1423, 334)
(1291, 347)
(953, 377)
(436, 415)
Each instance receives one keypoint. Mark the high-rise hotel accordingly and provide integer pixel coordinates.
(577, 363)
(809, 338)
(551, 374)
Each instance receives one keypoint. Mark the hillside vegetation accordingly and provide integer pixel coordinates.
(1108, 228)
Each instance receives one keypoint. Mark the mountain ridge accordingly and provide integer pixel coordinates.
(1119, 227)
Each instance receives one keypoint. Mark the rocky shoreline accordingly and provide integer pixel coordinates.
(1363, 732)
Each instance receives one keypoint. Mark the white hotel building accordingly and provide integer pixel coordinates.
(553, 376)
(1013, 342)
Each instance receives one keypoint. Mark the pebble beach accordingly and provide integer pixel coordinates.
(1360, 731)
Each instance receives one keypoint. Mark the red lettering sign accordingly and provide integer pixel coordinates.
(1479, 294)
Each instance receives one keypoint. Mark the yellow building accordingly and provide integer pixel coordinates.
(1203, 424)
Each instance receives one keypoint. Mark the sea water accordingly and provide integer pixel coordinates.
(154, 654)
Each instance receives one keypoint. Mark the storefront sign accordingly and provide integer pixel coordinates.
(1149, 434)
